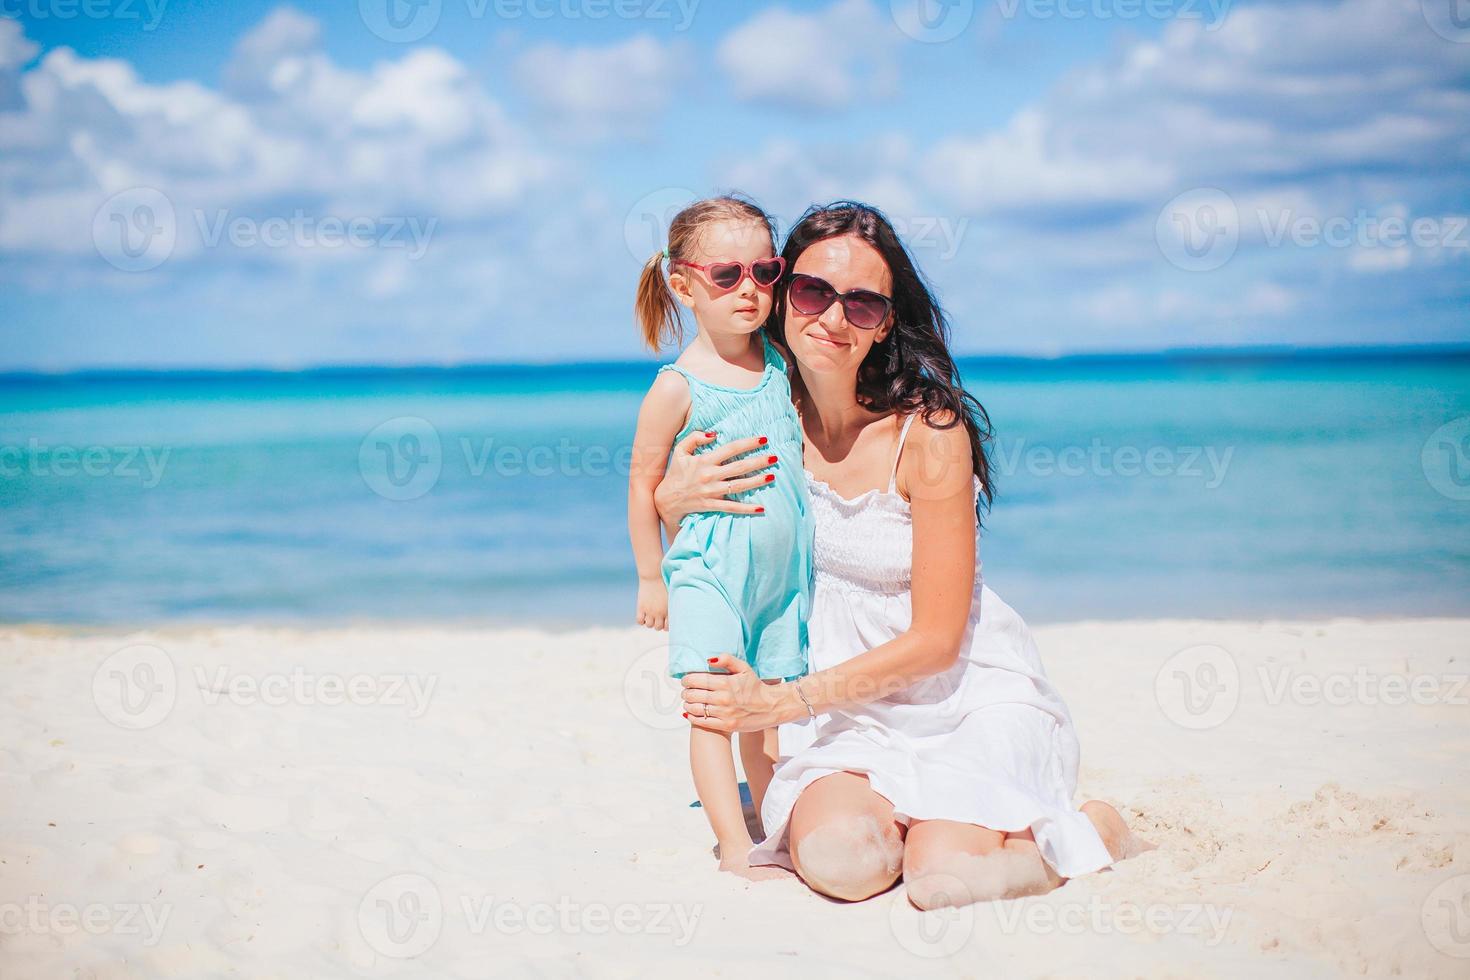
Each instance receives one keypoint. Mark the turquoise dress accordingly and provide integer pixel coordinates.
(742, 583)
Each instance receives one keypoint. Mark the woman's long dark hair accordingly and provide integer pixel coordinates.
(912, 370)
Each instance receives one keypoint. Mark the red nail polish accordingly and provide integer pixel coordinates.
(763, 440)
(713, 659)
(771, 460)
(760, 510)
(770, 477)
(686, 714)
(710, 434)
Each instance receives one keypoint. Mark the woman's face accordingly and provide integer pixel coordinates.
(827, 343)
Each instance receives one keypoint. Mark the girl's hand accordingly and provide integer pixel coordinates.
(694, 483)
(653, 603)
(738, 701)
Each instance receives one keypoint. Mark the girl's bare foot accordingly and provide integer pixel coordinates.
(1121, 842)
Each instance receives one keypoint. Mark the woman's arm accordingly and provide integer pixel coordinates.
(936, 472)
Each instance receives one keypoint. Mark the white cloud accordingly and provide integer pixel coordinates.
(1034, 163)
(15, 48)
(290, 130)
(1130, 307)
(588, 94)
(831, 59)
(786, 175)
(1275, 92)
(286, 33)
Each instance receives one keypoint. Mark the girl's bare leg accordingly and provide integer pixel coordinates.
(713, 766)
(845, 841)
(758, 756)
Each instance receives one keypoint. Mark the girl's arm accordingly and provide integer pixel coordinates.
(937, 474)
(663, 413)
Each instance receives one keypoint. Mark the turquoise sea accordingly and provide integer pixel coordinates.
(1308, 484)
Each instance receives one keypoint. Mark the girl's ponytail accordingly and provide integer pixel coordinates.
(656, 308)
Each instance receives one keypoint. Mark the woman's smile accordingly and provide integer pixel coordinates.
(826, 341)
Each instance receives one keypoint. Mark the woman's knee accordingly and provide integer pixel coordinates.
(850, 857)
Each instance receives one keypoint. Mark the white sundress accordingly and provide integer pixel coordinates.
(987, 742)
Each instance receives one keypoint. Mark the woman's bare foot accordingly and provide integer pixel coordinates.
(742, 868)
(1121, 842)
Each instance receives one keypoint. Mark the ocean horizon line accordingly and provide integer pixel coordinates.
(1238, 354)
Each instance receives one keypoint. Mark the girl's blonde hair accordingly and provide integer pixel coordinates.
(656, 307)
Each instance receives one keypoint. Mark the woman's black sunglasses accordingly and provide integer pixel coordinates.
(812, 296)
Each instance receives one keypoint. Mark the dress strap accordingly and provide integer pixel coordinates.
(677, 369)
(903, 434)
(773, 353)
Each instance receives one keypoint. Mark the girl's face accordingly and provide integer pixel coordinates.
(741, 308)
(826, 343)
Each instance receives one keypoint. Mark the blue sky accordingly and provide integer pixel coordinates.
(444, 181)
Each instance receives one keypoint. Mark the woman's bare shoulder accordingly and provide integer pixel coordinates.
(936, 461)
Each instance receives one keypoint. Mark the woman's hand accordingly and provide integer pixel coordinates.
(738, 701)
(694, 483)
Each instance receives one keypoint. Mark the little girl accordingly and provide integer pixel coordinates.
(737, 583)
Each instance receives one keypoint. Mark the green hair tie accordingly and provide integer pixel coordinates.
(666, 251)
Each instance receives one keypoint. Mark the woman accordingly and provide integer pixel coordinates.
(927, 740)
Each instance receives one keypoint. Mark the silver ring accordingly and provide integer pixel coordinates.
(706, 711)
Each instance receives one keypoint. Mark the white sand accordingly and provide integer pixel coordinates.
(524, 810)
